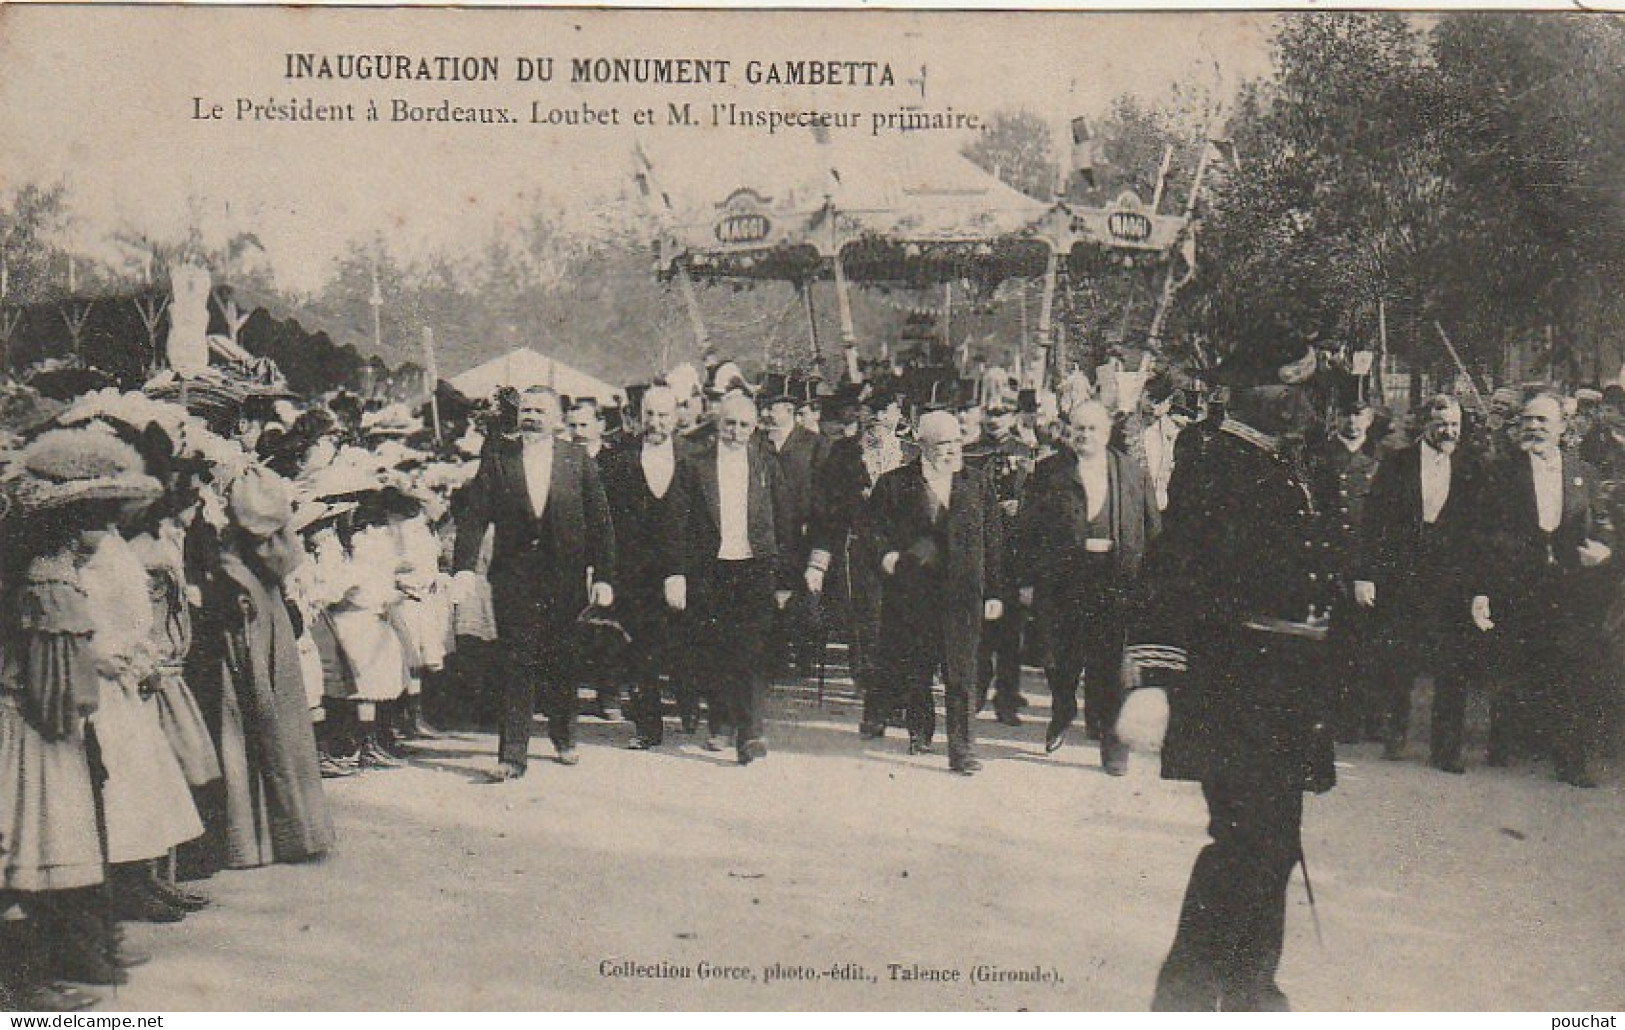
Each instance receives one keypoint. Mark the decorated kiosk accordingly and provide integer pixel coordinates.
(890, 213)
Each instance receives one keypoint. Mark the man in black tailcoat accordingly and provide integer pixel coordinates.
(1086, 520)
(726, 561)
(1544, 584)
(1238, 594)
(638, 480)
(1416, 551)
(552, 521)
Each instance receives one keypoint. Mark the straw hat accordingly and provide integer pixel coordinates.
(72, 466)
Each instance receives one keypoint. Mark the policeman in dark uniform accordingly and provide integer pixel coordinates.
(1342, 467)
(1240, 591)
(1005, 460)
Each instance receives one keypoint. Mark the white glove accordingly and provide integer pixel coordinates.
(1481, 614)
(464, 587)
(1025, 595)
(1365, 593)
(1594, 553)
(603, 595)
(888, 564)
(676, 593)
(781, 598)
(814, 578)
(992, 609)
(1142, 722)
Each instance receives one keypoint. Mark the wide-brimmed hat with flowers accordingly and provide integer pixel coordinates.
(65, 467)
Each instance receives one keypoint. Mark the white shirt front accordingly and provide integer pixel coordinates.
(538, 461)
(659, 462)
(1435, 482)
(1548, 490)
(1096, 484)
(940, 483)
(733, 500)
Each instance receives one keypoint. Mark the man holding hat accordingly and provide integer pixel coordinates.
(937, 529)
(1239, 591)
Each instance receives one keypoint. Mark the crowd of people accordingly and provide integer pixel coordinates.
(207, 609)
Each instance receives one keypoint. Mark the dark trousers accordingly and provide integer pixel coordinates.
(912, 654)
(736, 610)
(863, 597)
(1086, 636)
(1551, 703)
(1364, 693)
(538, 645)
(998, 663)
(647, 620)
(1410, 652)
(1551, 698)
(1233, 921)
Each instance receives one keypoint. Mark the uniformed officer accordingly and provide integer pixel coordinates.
(994, 448)
(1240, 590)
(1343, 466)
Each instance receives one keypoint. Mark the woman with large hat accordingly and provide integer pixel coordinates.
(64, 491)
(251, 686)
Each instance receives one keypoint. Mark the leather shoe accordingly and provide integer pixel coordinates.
(751, 750)
(1053, 739)
(568, 755)
(1008, 719)
(1114, 756)
(639, 744)
(57, 997)
(871, 730)
(1450, 765)
(1578, 778)
(506, 771)
(919, 747)
(714, 742)
(969, 766)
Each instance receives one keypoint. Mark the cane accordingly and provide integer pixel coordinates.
(1309, 889)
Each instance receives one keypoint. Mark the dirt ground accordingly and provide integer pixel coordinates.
(837, 857)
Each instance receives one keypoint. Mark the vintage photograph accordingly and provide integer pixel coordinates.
(704, 510)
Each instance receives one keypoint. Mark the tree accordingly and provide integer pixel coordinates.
(1016, 147)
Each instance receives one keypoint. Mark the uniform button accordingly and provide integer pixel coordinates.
(1347, 526)
(1314, 578)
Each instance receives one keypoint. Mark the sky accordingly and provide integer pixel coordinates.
(106, 101)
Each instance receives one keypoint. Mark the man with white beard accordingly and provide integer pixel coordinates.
(938, 531)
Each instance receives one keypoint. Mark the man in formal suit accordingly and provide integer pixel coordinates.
(638, 483)
(546, 500)
(1542, 585)
(724, 549)
(1416, 547)
(842, 488)
(938, 531)
(1085, 521)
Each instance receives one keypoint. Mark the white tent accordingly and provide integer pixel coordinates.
(525, 367)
